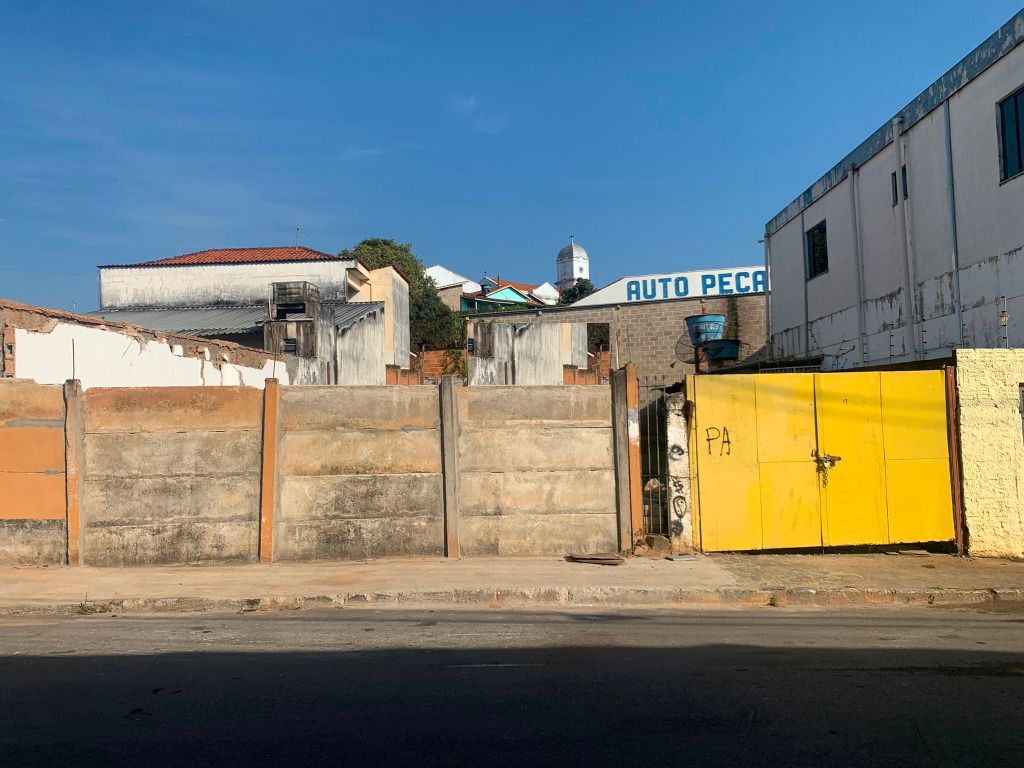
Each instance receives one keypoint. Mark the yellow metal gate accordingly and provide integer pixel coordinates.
(820, 459)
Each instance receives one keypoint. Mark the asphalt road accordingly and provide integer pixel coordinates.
(361, 687)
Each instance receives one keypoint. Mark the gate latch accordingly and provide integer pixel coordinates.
(825, 462)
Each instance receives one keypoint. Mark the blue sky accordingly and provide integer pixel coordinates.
(663, 135)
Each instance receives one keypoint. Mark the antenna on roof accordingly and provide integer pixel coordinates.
(299, 232)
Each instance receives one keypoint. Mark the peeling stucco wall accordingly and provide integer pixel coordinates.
(360, 351)
(524, 353)
(199, 285)
(50, 347)
(992, 446)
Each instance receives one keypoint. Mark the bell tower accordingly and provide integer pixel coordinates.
(571, 264)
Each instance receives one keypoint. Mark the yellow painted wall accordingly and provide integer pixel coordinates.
(988, 386)
(386, 284)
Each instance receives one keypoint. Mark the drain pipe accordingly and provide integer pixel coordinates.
(859, 260)
(901, 240)
(768, 294)
(954, 245)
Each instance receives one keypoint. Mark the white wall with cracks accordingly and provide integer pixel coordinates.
(101, 357)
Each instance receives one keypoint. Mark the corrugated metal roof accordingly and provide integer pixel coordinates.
(197, 320)
(237, 256)
(208, 321)
(346, 315)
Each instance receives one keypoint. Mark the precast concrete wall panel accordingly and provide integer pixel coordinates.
(170, 475)
(360, 473)
(536, 470)
(32, 486)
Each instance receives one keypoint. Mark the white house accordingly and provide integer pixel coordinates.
(344, 321)
(913, 244)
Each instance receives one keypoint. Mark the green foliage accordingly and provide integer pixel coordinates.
(455, 362)
(431, 324)
(580, 288)
(597, 337)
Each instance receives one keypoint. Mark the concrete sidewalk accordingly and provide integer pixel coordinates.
(739, 580)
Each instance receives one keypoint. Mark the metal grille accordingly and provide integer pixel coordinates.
(654, 453)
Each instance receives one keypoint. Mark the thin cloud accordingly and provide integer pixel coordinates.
(464, 105)
(358, 153)
(480, 120)
(361, 153)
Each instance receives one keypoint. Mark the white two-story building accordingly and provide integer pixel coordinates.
(913, 244)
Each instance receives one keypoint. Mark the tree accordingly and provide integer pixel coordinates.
(580, 288)
(431, 323)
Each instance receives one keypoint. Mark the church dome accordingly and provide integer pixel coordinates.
(573, 251)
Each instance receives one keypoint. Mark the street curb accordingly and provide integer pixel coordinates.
(611, 597)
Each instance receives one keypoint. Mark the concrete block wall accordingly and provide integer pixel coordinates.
(170, 475)
(148, 476)
(32, 482)
(645, 333)
(992, 449)
(536, 470)
(360, 473)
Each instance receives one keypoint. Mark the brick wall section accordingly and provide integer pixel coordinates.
(536, 470)
(584, 377)
(992, 449)
(360, 473)
(402, 376)
(170, 475)
(601, 362)
(434, 363)
(32, 486)
(646, 333)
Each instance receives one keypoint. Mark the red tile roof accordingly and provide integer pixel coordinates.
(237, 256)
(525, 287)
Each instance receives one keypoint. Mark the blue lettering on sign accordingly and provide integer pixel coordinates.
(711, 284)
(760, 281)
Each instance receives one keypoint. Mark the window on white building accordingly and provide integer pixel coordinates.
(895, 188)
(817, 250)
(1011, 127)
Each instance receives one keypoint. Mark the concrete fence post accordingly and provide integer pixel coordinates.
(269, 468)
(680, 491)
(636, 495)
(620, 449)
(74, 440)
(450, 464)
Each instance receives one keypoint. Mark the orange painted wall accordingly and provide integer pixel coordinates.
(31, 451)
